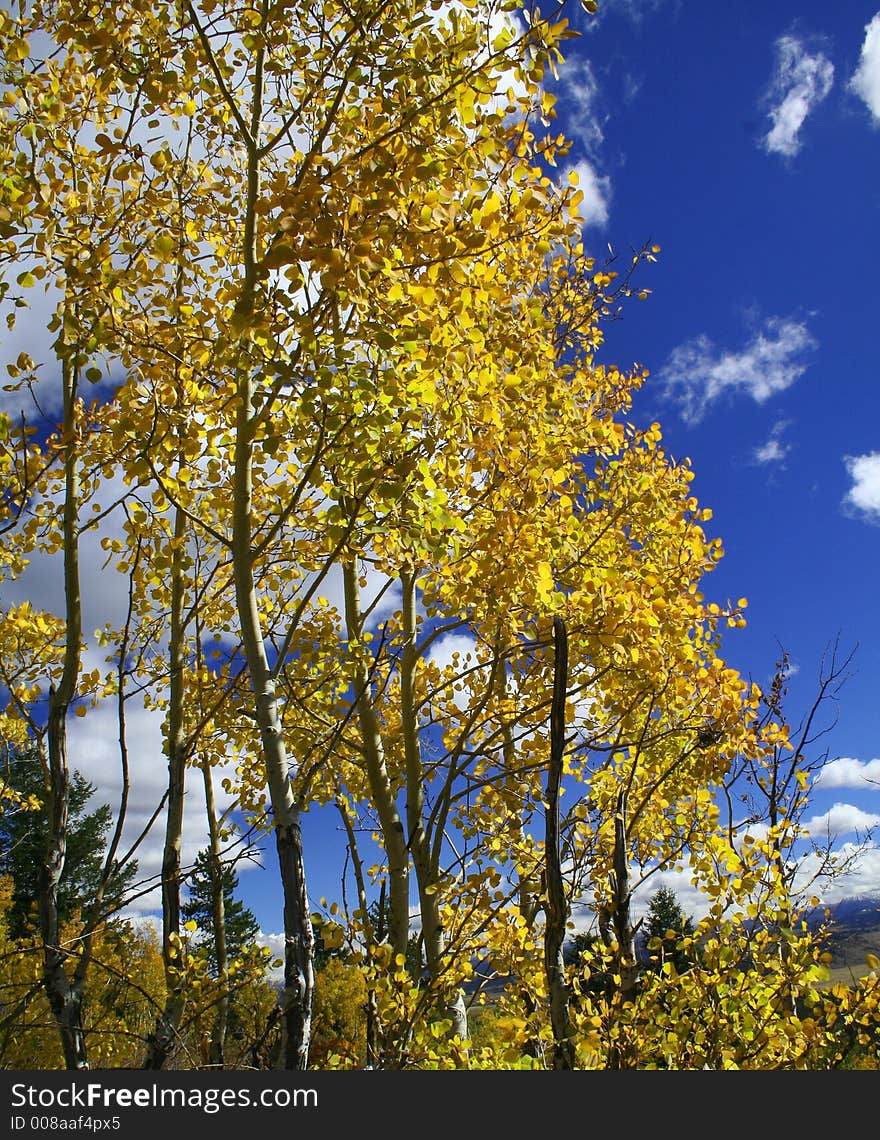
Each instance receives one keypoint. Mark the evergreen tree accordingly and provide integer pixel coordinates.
(23, 844)
(241, 924)
(380, 913)
(580, 951)
(667, 923)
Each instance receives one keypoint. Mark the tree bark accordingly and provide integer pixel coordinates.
(528, 899)
(372, 937)
(621, 915)
(617, 926)
(425, 866)
(161, 1041)
(298, 993)
(218, 907)
(65, 1000)
(381, 788)
(556, 909)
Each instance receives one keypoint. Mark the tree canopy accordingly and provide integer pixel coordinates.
(324, 377)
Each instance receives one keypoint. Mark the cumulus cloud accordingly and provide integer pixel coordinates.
(865, 82)
(841, 819)
(861, 879)
(93, 740)
(774, 450)
(864, 494)
(596, 188)
(846, 772)
(693, 902)
(104, 590)
(799, 84)
(698, 374)
(454, 648)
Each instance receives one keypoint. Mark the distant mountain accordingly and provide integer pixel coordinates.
(854, 930)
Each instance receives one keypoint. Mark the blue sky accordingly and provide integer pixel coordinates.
(744, 140)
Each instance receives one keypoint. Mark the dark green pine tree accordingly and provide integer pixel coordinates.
(240, 923)
(666, 922)
(23, 845)
(415, 959)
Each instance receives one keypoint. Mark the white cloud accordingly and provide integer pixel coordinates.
(579, 91)
(93, 740)
(632, 85)
(774, 450)
(841, 819)
(93, 750)
(104, 589)
(861, 880)
(693, 902)
(864, 494)
(454, 648)
(800, 83)
(697, 374)
(594, 207)
(508, 83)
(865, 82)
(771, 452)
(845, 772)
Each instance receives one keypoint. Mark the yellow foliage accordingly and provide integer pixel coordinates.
(355, 330)
(339, 1016)
(124, 990)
